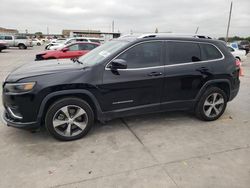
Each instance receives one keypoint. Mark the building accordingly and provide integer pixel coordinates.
(8, 31)
(91, 33)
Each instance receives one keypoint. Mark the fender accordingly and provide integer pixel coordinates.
(210, 82)
(73, 91)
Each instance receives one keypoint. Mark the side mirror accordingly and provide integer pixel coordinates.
(65, 49)
(118, 64)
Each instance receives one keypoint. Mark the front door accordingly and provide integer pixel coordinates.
(140, 85)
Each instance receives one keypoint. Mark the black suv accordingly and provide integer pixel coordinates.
(123, 77)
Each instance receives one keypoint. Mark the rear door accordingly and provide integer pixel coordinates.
(185, 73)
(140, 85)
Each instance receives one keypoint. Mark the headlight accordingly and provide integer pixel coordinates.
(18, 87)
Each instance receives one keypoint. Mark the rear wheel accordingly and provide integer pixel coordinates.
(69, 119)
(212, 104)
(22, 46)
(38, 44)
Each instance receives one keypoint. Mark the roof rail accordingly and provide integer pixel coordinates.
(152, 35)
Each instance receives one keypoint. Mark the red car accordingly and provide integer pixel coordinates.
(74, 50)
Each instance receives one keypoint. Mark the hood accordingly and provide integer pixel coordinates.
(39, 68)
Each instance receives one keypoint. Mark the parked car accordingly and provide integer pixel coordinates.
(73, 40)
(238, 54)
(22, 42)
(244, 45)
(122, 77)
(55, 42)
(3, 45)
(36, 42)
(74, 50)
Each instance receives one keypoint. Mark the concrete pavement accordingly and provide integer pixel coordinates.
(157, 150)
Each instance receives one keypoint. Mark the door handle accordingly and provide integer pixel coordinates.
(155, 74)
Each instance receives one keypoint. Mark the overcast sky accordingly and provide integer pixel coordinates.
(180, 16)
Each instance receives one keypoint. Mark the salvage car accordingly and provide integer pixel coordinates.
(74, 50)
(123, 77)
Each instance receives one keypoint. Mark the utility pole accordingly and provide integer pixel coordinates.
(229, 21)
(47, 30)
(113, 26)
(197, 30)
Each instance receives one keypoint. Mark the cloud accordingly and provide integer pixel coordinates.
(182, 16)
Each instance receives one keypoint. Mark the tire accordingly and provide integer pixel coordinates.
(22, 46)
(38, 44)
(65, 117)
(238, 59)
(212, 104)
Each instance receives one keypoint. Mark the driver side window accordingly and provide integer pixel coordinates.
(143, 55)
(74, 47)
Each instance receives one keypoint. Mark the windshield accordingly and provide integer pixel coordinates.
(100, 53)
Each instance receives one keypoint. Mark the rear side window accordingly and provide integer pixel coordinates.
(210, 52)
(183, 52)
(21, 37)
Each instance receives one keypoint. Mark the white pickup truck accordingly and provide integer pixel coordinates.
(22, 42)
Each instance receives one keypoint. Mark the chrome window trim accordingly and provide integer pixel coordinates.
(164, 66)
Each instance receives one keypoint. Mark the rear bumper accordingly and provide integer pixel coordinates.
(234, 93)
(11, 122)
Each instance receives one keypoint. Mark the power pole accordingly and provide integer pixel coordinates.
(229, 20)
(113, 26)
(197, 30)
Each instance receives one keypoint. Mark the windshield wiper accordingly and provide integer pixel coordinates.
(75, 60)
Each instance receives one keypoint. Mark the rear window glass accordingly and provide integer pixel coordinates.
(183, 52)
(8, 38)
(210, 52)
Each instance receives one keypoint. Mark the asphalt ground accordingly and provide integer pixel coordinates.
(171, 149)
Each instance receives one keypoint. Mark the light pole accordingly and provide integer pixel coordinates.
(229, 21)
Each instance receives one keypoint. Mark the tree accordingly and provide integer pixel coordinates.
(39, 34)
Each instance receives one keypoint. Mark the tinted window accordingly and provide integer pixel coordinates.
(143, 55)
(87, 46)
(183, 52)
(8, 38)
(95, 40)
(74, 47)
(81, 40)
(21, 37)
(210, 52)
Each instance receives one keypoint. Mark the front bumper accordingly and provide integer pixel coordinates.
(9, 121)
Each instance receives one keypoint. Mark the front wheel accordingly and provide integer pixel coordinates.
(69, 119)
(212, 104)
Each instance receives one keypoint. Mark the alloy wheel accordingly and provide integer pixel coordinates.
(213, 105)
(70, 120)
